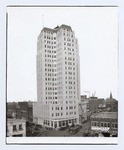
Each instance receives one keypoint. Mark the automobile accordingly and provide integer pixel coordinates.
(74, 129)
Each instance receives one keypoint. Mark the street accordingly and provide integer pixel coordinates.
(41, 132)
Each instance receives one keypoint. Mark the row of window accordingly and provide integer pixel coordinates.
(50, 56)
(69, 82)
(70, 107)
(61, 102)
(50, 42)
(70, 97)
(49, 46)
(61, 108)
(69, 77)
(51, 83)
(55, 97)
(52, 45)
(59, 93)
(70, 92)
(60, 123)
(61, 114)
(50, 74)
(50, 79)
(69, 63)
(50, 60)
(69, 49)
(48, 37)
(68, 35)
(70, 73)
(104, 124)
(68, 39)
(16, 128)
(70, 102)
(50, 97)
(49, 51)
(51, 93)
(71, 113)
(70, 58)
(68, 44)
(51, 88)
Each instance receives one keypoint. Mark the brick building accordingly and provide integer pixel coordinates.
(105, 123)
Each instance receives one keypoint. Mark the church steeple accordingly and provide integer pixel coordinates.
(111, 95)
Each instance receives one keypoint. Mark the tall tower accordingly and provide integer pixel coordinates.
(58, 78)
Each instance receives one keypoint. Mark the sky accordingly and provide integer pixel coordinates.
(97, 31)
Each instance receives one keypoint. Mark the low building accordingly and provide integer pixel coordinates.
(105, 123)
(16, 127)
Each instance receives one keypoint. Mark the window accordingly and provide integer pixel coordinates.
(14, 128)
(101, 124)
(20, 127)
(116, 126)
(92, 123)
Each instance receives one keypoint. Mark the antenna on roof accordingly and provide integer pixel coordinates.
(43, 20)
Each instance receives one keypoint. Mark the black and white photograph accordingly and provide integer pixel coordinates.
(62, 74)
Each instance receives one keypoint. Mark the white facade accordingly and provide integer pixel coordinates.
(16, 127)
(58, 79)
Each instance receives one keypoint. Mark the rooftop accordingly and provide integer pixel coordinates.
(14, 120)
(57, 28)
(105, 115)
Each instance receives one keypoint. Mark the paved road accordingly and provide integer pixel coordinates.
(44, 132)
(84, 127)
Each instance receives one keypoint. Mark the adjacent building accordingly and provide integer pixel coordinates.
(93, 104)
(111, 104)
(16, 127)
(83, 108)
(58, 78)
(26, 109)
(105, 123)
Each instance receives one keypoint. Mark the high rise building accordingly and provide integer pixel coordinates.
(58, 78)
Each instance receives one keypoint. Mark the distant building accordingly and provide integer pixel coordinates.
(13, 110)
(58, 78)
(26, 109)
(20, 110)
(111, 104)
(93, 104)
(16, 127)
(105, 123)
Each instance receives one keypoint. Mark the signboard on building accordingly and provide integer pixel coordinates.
(101, 129)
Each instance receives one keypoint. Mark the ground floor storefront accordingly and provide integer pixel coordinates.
(57, 124)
